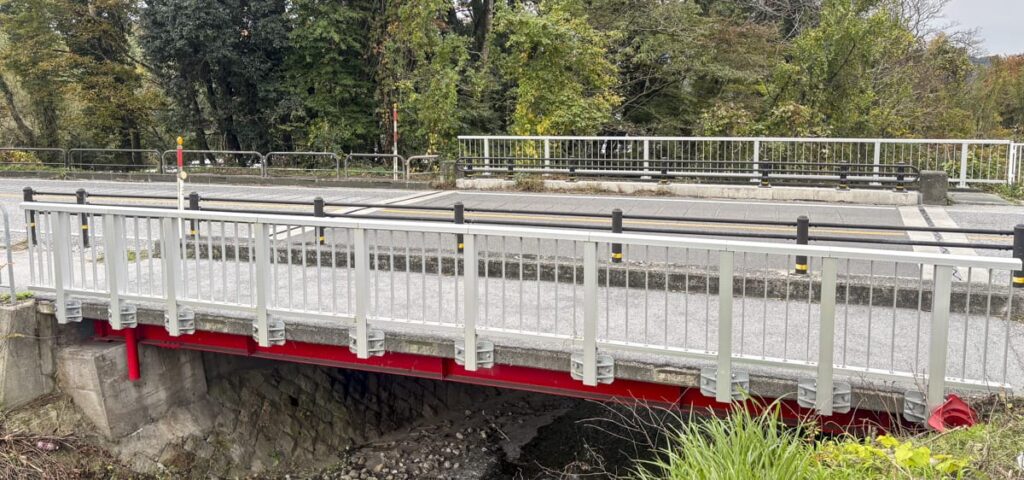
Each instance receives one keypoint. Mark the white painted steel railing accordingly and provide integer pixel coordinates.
(872, 316)
(966, 161)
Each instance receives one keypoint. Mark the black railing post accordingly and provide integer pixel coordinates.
(766, 169)
(82, 197)
(29, 196)
(1018, 253)
(803, 225)
(460, 218)
(193, 204)
(318, 211)
(901, 171)
(844, 181)
(617, 228)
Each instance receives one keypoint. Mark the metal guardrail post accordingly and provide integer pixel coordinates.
(62, 267)
(262, 293)
(590, 313)
(170, 263)
(877, 160)
(963, 165)
(939, 338)
(116, 262)
(803, 227)
(82, 197)
(471, 311)
(826, 336)
(547, 153)
(1018, 253)
(193, 204)
(10, 255)
(757, 157)
(460, 218)
(617, 228)
(362, 279)
(28, 195)
(263, 165)
(318, 211)
(487, 156)
(724, 361)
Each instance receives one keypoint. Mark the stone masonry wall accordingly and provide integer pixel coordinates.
(271, 415)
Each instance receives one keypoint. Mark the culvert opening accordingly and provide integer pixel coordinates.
(269, 418)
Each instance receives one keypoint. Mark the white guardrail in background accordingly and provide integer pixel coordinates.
(966, 161)
(544, 286)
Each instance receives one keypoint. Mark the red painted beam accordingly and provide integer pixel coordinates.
(502, 376)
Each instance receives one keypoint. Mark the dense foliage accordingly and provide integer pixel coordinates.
(325, 74)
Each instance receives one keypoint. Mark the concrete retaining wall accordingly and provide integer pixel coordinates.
(26, 354)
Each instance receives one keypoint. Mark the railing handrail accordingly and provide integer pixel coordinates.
(951, 141)
(163, 156)
(581, 235)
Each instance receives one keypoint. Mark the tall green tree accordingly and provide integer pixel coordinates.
(328, 73)
(848, 71)
(223, 66)
(30, 58)
(563, 82)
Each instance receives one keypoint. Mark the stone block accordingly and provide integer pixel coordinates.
(934, 187)
(95, 375)
(26, 355)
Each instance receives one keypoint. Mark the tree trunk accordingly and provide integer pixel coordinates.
(28, 137)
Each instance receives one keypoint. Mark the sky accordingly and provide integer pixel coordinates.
(1000, 23)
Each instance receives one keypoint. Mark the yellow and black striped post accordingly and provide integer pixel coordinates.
(803, 225)
(766, 170)
(1018, 253)
(193, 204)
(318, 211)
(460, 218)
(901, 171)
(617, 228)
(844, 181)
(81, 197)
(29, 196)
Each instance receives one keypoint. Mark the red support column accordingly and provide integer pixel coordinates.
(131, 350)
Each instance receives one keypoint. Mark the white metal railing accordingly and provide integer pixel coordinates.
(7, 270)
(1017, 163)
(872, 315)
(966, 161)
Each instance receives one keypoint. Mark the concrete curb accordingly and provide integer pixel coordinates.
(728, 192)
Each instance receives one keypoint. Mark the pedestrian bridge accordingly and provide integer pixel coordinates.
(668, 319)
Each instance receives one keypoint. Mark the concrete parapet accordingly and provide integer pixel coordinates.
(95, 375)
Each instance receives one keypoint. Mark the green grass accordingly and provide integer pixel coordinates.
(20, 296)
(1009, 192)
(744, 446)
(741, 446)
